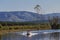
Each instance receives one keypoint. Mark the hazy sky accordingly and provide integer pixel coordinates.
(47, 6)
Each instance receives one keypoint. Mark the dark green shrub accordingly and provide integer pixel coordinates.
(0, 26)
(16, 28)
(10, 28)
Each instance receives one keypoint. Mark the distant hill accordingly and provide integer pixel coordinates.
(51, 15)
(19, 16)
(23, 16)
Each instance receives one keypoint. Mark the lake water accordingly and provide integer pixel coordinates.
(36, 35)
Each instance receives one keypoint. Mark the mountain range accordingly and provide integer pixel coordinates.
(23, 16)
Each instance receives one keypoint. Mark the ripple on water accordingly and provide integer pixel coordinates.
(42, 35)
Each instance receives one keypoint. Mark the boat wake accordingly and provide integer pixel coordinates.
(27, 34)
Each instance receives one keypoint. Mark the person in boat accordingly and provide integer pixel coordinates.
(28, 33)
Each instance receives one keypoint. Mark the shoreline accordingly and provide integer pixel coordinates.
(7, 29)
(2, 32)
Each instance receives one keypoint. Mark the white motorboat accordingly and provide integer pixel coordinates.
(29, 34)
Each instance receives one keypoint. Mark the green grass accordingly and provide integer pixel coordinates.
(6, 29)
(24, 27)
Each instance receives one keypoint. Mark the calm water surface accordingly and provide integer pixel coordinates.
(40, 35)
